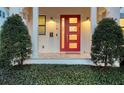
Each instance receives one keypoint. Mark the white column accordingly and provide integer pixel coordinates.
(113, 12)
(35, 33)
(93, 18)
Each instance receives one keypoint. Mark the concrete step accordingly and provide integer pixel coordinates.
(60, 61)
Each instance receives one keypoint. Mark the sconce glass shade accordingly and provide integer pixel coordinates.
(51, 18)
(88, 18)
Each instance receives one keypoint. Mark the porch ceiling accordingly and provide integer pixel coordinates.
(83, 9)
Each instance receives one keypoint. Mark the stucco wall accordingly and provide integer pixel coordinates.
(52, 44)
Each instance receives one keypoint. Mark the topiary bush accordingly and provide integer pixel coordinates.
(15, 41)
(122, 56)
(106, 42)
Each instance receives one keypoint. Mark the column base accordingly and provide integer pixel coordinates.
(34, 56)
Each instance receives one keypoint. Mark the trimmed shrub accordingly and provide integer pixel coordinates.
(15, 41)
(122, 57)
(106, 42)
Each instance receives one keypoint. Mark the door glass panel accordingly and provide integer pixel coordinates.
(63, 32)
(72, 20)
(72, 45)
(73, 28)
(122, 22)
(72, 37)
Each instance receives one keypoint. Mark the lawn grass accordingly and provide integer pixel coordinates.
(61, 74)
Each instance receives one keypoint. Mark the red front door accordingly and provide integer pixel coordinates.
(70, 32)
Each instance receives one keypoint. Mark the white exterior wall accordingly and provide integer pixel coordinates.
(15, 10)
(113, 12)
(1, 17)
(122, 10)
(52, 44)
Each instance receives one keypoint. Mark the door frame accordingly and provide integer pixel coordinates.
(79, 28)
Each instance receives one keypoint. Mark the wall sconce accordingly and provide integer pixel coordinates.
(51, 19)
(87, 18)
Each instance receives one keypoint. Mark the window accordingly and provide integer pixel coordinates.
(0, 13)
(3, 15)
(122, 24)
(42, 25)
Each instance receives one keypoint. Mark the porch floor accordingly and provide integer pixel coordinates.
(64, 56)
(61, 58)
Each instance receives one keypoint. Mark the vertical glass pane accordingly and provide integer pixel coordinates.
(42, 20)
(72, 45)
(63, 32)
(72, 20)
(73, 28)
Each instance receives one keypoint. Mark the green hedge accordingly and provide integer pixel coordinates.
(61, 74)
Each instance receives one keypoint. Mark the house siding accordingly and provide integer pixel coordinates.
(52, 44)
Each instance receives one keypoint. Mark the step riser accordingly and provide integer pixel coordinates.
(68, 62)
